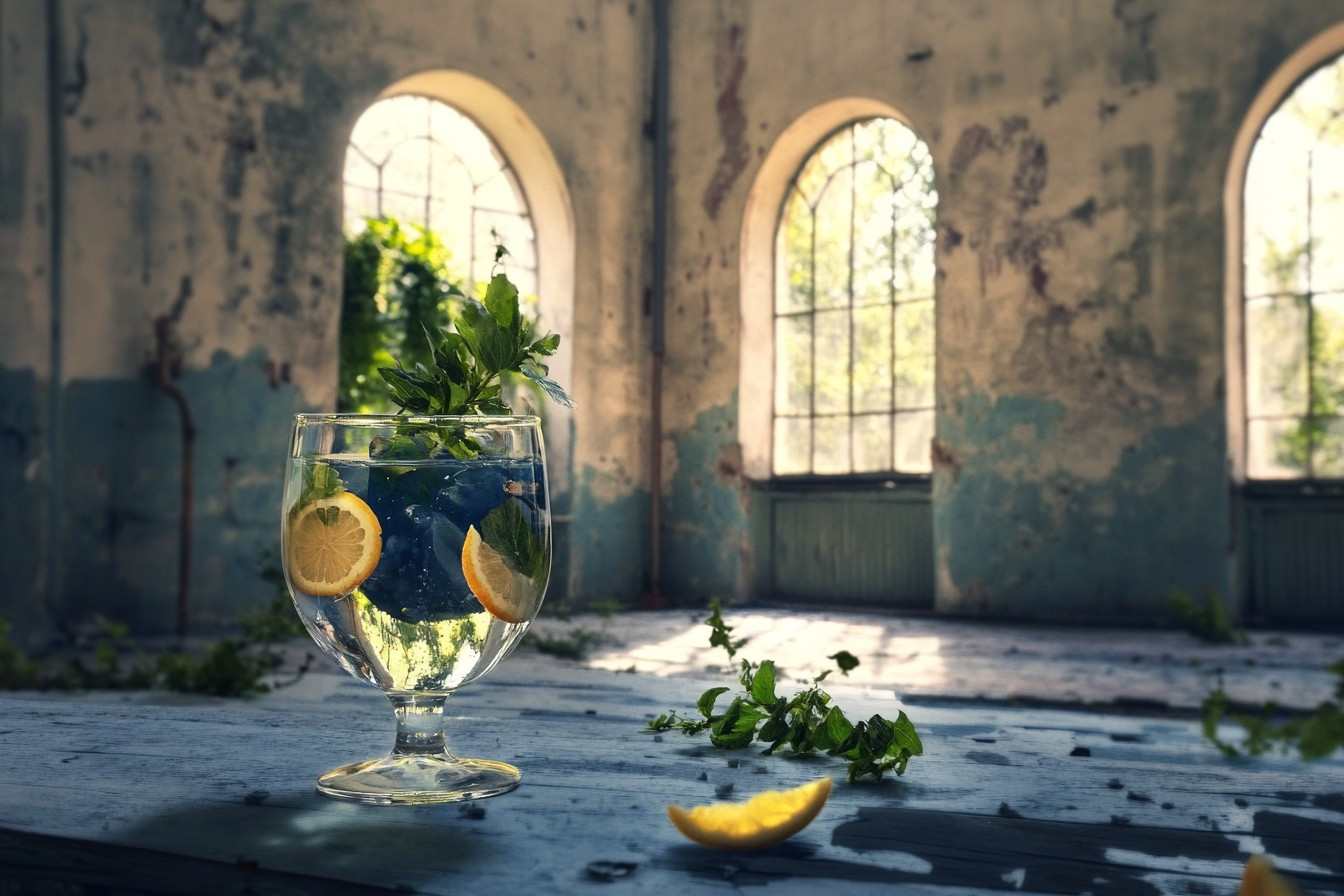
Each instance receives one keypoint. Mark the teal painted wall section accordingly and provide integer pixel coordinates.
(23, 511)
(705, 538)
(608, 540)
(1017, 536)
(122, 480)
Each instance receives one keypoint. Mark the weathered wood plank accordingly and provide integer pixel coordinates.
(1005, 799)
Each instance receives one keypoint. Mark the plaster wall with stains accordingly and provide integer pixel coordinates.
(1080, 463)
(180, 163)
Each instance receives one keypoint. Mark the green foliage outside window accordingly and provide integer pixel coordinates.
(397, 285)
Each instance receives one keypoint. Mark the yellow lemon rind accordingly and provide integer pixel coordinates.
(765, 820)
(360, 568)
(1260, 879)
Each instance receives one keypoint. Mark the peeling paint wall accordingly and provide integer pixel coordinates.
(178, 164)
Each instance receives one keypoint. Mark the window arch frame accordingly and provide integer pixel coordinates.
(766, 202)
(1322, 49)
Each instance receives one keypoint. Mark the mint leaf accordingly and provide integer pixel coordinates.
(720, 633)
(537, 374)
(845, 661)
(501, 300)
(545, 345)
(506, 529)
(736, 728)
(320, 481)
(762, 684)
(706, 702)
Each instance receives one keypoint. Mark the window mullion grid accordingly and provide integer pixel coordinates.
(1311, 315)
(812, 342)
(895, 341)
(849, 289)
(429, 160)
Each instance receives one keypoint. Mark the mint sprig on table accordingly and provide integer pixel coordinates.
(489, 337)
(807, 723)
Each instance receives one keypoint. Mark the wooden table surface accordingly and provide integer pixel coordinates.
(146, 793)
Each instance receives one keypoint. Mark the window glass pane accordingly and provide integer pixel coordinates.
(830, 449)
(793, 259)
(914, 355)
(872, 443)
(872, 381)
(359, 173)
(831, 156)
(1327, 350)
(408, 168)
(1276, 449)
(404, 207)
(793, 365)
(1327, 217)
(793, 445)
(1328, 458)
(914, 328)
(914, 435)
(832, 360)
(1276, 219)
(1276, 357)
(452, 222)
(914, 271)
(361, 197)
(387, 124)
(914, 382)
(831, 258)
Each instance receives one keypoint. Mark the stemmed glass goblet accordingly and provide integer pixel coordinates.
(417, 551)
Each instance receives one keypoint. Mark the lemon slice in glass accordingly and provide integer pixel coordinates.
(334, 545)
(507, 595)
(764, 820)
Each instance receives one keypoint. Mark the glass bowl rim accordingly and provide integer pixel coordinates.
(359, 419)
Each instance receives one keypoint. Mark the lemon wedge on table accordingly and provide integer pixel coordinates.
(507, 595)
(764, 820)
(334, 544)
(1260, 879)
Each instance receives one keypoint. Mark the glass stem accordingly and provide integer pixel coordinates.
(419, 724)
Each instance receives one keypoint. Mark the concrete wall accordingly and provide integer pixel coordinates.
(180, 162)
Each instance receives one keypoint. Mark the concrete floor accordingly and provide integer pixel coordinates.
(929, 659)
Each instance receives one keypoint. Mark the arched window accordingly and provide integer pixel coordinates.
(423, 162)
(1293, 285)
(853, 316)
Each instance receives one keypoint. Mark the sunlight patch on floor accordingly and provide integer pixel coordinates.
(801, 648)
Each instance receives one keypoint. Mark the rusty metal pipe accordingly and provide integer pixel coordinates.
(167, 366)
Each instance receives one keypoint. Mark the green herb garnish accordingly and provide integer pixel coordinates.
(1314, 735)
(489, 338)
(806, 723)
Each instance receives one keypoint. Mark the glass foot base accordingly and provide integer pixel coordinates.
(415, 780)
